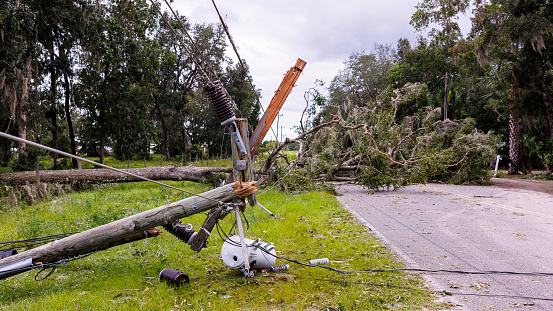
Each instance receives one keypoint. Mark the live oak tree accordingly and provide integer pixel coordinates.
(512, 35)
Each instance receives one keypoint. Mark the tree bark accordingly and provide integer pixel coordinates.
(514, 139)
(53, 109)
(546, 97)
(190, 173)
(186, 139)
(68, 117)
(104, 236)
(163, 128)
(22, 111)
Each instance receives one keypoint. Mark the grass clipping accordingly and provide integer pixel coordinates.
(308, 225)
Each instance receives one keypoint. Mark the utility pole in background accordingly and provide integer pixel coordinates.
(278, 120)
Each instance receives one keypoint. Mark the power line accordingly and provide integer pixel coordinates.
(190, 39)
(225, 27)
(8, 136)
(181, 42)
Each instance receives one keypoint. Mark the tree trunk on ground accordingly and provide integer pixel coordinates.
(190, 173)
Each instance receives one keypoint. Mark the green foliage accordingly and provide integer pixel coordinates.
(195, 151)
(542, 149)
(397, 140)
(99, 76)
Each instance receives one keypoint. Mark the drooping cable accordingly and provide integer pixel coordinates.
(28, 142)
(29, 243)
(410, 269)
(190, 39)
(396, 269)
(225, 27)
(202, 69)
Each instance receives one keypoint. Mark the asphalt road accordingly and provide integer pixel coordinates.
(469, 228)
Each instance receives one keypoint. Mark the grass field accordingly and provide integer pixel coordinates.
(309, 225)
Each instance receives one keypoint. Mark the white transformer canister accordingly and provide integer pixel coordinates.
(231, 253)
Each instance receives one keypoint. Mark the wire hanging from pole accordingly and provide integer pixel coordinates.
(202, 69)
(191, 40)
(225, 27)
(8, 136)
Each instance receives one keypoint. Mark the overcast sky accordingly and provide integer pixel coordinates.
(272, 35)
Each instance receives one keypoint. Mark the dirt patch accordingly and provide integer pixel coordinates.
(524, 184)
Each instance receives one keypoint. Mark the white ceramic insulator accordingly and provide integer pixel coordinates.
(231, 254)
(319, 261)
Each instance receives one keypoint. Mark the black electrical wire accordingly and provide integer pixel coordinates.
(444, 292)
(46, 265)
(34, 241)
(410, 269)
(396, 269)
(247, 222)
(53, 268)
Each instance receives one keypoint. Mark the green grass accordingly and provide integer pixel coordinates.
(155, 160)
(310, 225)
(4, 169)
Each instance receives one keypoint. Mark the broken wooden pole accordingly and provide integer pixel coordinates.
(104, 236)
(242, 172)
(242, 164)
(276, 103)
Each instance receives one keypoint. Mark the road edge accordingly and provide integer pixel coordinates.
(430, 281)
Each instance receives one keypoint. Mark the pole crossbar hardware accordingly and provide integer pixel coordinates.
(276, 103)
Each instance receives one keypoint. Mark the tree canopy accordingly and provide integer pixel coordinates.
(90, 77)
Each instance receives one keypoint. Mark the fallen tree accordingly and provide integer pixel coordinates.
(375, 147)
(189, 173)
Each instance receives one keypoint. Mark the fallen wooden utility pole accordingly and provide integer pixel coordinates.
(104, 236)
(190, 173)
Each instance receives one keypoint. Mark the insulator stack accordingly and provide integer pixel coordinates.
(319, 261)
(279, 268)
(220, 101)
(182, 231)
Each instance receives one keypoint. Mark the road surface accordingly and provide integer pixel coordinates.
(469, 228)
